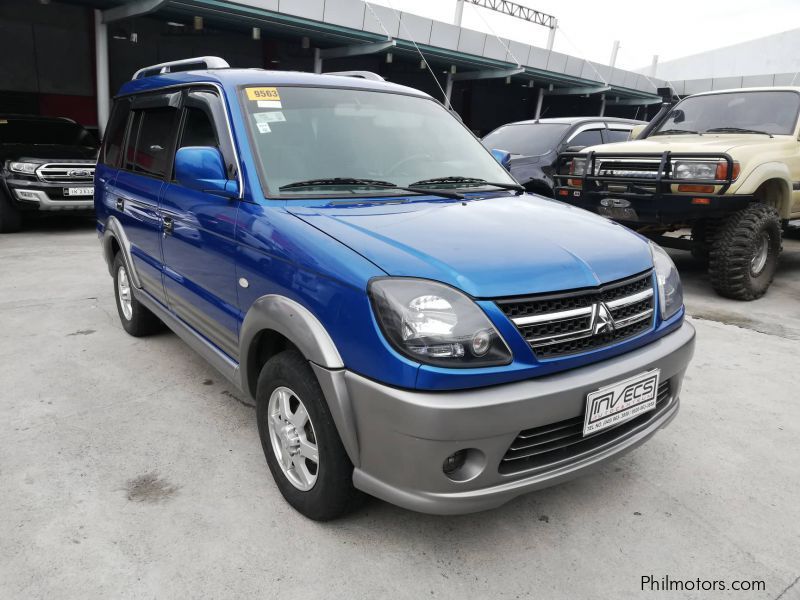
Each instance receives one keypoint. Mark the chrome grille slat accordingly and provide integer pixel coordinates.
(577, 322)
(60, 172)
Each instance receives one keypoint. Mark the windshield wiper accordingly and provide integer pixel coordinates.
(372, 183)
(736, 130)
(675, 132)
(467, 180)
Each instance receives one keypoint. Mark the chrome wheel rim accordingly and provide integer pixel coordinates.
(124, 290)
(762, 253)
(293, 439)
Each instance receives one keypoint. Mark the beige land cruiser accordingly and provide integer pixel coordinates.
(725, 164)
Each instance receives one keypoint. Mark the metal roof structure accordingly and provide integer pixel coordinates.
(352, 27)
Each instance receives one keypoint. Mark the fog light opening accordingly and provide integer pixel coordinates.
(464, 465)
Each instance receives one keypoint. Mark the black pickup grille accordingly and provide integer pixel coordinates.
(567, 323)
(564, 440)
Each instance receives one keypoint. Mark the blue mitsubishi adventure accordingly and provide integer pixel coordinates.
(410, 324)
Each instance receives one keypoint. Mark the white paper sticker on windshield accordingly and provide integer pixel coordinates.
(269, 104)
(263, 127)
(269, 117)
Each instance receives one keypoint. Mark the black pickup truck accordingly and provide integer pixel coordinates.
(46, 164)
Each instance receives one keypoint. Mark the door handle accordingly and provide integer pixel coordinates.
(120, 204)
(168, 225)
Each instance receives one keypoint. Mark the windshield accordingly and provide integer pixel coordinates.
(307, 133)
(34, 132)
(768, 112)
(528, 139)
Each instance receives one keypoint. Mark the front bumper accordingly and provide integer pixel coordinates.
(654, 209)
(399, 439)
(48, 196)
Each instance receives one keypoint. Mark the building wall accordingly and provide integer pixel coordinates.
(779, 53)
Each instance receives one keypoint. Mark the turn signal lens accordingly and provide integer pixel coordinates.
(697, 189)
(722, 171)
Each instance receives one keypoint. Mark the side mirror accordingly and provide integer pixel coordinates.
(636, 131)
(503, 157)
(202, 168)
(678, 116)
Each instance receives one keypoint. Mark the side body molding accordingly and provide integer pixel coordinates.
(114, 230)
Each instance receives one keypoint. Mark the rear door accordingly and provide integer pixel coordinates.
(199, 248)
(147, 160)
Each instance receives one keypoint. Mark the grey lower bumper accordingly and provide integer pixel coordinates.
(44, 202)
(399, 439)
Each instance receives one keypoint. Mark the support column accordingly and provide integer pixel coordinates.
(654, 66)
(614, 52)
(317, 61)
(602, 105)
(539, 103)
(101, 71)
(448, 89)
(459, 13)
(551, 37)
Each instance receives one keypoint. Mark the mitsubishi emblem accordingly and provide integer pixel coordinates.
(603, 321)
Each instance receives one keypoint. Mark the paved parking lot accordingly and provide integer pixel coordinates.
(130, 469)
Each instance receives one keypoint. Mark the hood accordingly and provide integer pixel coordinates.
(46, 152)
(708, 142)
(490, 247)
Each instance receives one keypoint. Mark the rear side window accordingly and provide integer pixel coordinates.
(590, 137)
(115, 133)
(151, 141)
(616, 135)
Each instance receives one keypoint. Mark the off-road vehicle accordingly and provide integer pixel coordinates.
(46, 164)
(725, 164)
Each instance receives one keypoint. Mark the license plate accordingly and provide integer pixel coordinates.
(79, 191)
(618, 402)
(617, 213)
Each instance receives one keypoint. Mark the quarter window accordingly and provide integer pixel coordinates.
(590, 137)
(198, 130)
(617, 135)
(115, 133)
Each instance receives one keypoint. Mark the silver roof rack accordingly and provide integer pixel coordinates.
(360, 74)
(187, 64)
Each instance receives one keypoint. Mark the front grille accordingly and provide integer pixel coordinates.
(628, 169)
(564, 440)
(581, 321)
(66, 172)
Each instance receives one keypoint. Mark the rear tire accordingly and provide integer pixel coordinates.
(744, 254)
(136, 319)
(10, 216)
(295, 426)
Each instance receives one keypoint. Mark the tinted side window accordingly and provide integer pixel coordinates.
(115, 133)
(617, 135)
(198, 130)
(155, 141)
(590, 137)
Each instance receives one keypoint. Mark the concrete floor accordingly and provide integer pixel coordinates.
(129, 469)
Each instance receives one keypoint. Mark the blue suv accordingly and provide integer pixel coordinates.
(409, 322)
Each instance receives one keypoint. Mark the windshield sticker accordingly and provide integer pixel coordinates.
(263, 127)
(269, 117)
(269, 104)
(263, 93)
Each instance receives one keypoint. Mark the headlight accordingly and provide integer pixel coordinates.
(23, 167)
(435, 324)
(578, 166)
(703, 170)
(670, 290)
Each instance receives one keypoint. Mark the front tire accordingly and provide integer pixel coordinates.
(304, 453)
(744, 255)
(136, 319)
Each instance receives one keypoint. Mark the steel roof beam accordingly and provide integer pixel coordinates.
(579, 91)
(517, 10)
(487, 74)
(356, 49)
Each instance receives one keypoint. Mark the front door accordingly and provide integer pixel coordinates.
(199, 248)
